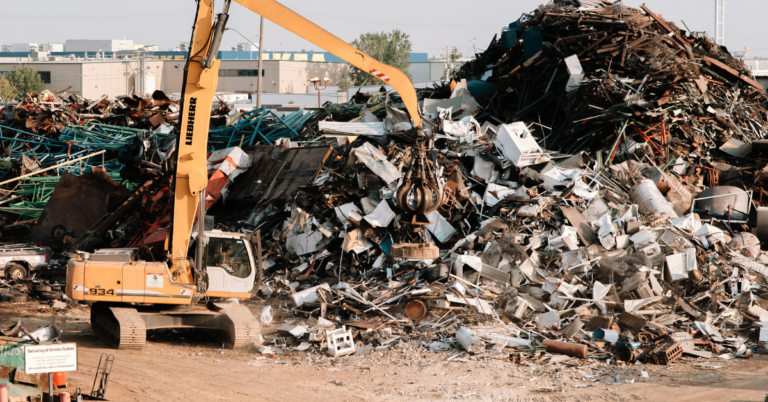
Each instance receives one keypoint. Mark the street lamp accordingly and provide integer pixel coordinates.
(249, 41)
(468, 42)
(316, 82)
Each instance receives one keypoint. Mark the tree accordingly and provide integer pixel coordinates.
(25, 79)
(450, 63)
(7, 91)
(392, 48)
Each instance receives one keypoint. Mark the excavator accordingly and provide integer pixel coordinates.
(204, 270)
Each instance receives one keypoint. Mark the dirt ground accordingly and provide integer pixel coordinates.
(188, 366)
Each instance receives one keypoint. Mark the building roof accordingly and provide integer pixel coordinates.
(223, 55)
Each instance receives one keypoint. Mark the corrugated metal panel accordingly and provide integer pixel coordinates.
(763, 81)
(419, 72)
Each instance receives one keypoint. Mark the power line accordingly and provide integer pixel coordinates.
(419, 24)
(93, 16)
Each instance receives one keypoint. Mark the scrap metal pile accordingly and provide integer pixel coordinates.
(131, 138)
(599, 77)
(608, 205)
(49, 114)
(596, 186)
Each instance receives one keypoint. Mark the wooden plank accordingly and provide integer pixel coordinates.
(608, 49)
(38, 380)
(590, 47)
(624, 53)
(642, 39)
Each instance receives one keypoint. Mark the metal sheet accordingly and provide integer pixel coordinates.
(718, 206)
(762, 225)
(78, 202)
(736, 148)
(277, 175)
(371, 157)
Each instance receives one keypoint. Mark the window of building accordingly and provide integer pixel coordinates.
(230, 72)
(45, 76)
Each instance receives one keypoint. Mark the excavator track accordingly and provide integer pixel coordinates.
(121, 327)
(242, 329)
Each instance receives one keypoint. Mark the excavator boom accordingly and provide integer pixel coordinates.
(200, 86)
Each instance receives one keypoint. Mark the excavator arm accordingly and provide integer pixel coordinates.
(283, 16)
(198, 90)
(191, 175)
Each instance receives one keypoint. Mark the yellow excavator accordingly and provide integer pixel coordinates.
(131, 295)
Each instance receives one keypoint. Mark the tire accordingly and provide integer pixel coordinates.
(15, 271)
(18, 298)
(67, 237)
(42, 288)
(183, 307)
(144, 252)
(57, 231)
(50, 295)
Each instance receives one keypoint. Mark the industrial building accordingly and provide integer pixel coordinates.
(33, 47)
(92, 72)
(94, 78)
(759, 68)
(96, 45)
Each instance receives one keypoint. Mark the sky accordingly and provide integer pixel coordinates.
(432, 25)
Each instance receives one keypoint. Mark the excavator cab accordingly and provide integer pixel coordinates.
(229, 263)
(132, 295)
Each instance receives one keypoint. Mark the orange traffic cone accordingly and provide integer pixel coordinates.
(60, 379)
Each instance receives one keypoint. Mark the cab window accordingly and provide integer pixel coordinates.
(229, 254)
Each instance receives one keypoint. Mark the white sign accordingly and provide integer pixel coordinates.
(155, 280)
(50, 358)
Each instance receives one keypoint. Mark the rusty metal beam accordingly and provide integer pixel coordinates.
(727, 68)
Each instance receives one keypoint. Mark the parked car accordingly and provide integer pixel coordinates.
(17, 261)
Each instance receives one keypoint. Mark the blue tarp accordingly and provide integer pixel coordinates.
(478, 87)
(509, 37)
(533, 41)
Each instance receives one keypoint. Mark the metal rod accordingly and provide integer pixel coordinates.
(261, 57)
(10, 199)
(36, 172)
(200, 238)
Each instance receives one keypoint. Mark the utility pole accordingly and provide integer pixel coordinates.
(261, 57)
(720, 22)
(141, 72)
(447, 64)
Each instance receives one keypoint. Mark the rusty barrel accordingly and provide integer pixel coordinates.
(565, 348)
(415, 310)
